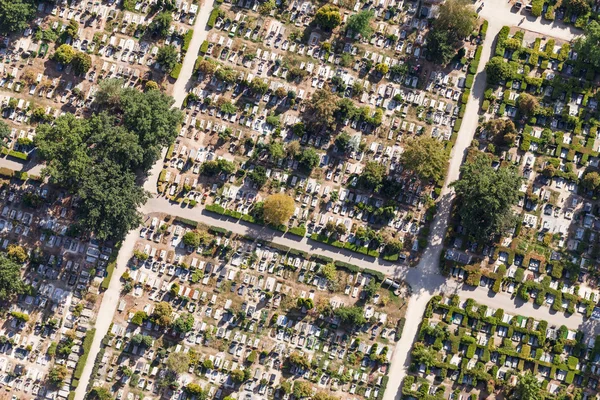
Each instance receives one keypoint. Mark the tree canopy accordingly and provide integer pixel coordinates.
(351, 315)
(100, 158)
(501, 131)
(529, 388)
(162, 313)
(527, 104)
(178, 362)
(15, 15)
(328, 17)
(372, 176)
(184, 323)
(167, 56)
(322, 107)
(426, 157)
(161, 23)
(11, 283)
(455, 21)
(485, 196)
(360, 23)
(591, 180)
(278, 208)
(589, 44)
(64, 54)
(498, 70)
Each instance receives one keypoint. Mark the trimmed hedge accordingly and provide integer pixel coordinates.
(469, 81)
(298, 231)
(203, 50)
(87, 344)
(214, 14)
(176, 71)
(193, 224)
(109, 272)
(15, 154)
(187, 38)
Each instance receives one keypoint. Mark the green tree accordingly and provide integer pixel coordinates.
(328, 17)
(351, 315)
(258, 176)
(178, 362)
(238, 375)
(322, 107)
(139, 317)
(168, 56)
(485, 196)
(588, 45)
(206, 67)
(455, 21)
(17, 253)
(184, 323)
(371, 288)
(196, 391)
(308, 158)
(577, 7)
(382, 68)
(502, 131)
(161, 23)
(278, 208)
(299, 361)
(57, 374)
(343, 142)
(99, 393)
(422, 354)
(82, 63)
(193, 238)
(15, 15)
(64, 54)
(591, 181)
(11, 283)
(360, 23)
(498, 70)
(529, 388)
(151, 85)
(258, 86)
(528, 104)
(100, 158)
(162, 314)
(266, 7)
(329, 272)
(276, 150)
(4, 133)
(372, 176)
(426, 157)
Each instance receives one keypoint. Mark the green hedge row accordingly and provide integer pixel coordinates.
(203, 50)
(213, 17)
(187, 38)
(344, 245)
(176, 71)
(87, 344)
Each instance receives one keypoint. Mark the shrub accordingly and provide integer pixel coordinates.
(187, 38)
(469, 81)
(212, 19)
(176, 71)
(87, 344)
(203, 48)
(485, 105)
